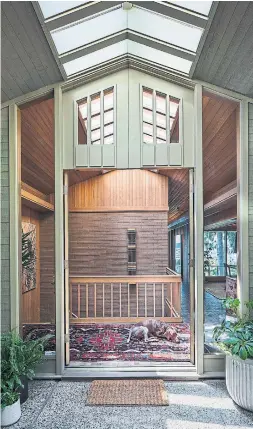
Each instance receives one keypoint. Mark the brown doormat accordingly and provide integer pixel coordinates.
(127, 392)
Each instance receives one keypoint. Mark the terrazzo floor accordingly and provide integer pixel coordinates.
(193, 405)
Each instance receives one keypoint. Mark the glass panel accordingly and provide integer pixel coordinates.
(174, 120)
(108, 140)
(95, 135)
(148, 98)
(95, 122)
(161, 133)
(51, 8)
(147, 116)
(159, 141)
(82, 122)
(161, 103)
(147, 139)
(108, 117)
(95, 104)
(148, 129)
(108, 130)
(178, 254)
(202, 7)
(161, 120)
(97, 142)
(108, 99)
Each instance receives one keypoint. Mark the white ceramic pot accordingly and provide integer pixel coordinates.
(11, 414)
(239, 381)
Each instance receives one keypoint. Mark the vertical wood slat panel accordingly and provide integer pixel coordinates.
(78, 301)
(120, 300)
(137, 299)
(87, 300)
(154, 297)
(95, 300)
(103, 300)
(111, 299)
(162, 299)
(145, 300)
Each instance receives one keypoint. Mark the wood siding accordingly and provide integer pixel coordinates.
(251, 199)
(31, 299)
(121, 190)
(98, 243)
(5, 223)
(47, 267)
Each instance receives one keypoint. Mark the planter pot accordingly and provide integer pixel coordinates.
(11, 414)
(239, 381)
(23, 390)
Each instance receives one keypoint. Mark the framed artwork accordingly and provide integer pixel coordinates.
(28, 256)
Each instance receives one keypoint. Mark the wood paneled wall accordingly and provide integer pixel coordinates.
(47, 266)
(31, 299)
(121, 190)
(98, 243)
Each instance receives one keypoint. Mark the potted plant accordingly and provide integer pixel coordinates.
(235, 338)
(19, 359)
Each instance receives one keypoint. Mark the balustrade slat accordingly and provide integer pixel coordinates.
(78, 301)
(87, 300)
(154, 297)
(171, 301)
(145, 300)
(70, 300)
(111, 299)
(162, 299)
(137, 299)
(128, 300)
(120, 300)
(103, 300)
(95, 299)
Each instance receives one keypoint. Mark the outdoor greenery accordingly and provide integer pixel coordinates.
(19, 358)
(219, 248)
(236, 336)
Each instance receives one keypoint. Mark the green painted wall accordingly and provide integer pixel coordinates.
(5, 222)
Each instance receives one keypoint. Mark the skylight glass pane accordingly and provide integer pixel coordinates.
(163, 28)
(97, 142)
(174, 104)
(95, 58)
(159, 57)
(202, 7)
(90, 30)
(51, 8)
(83, 108)
(159, 141)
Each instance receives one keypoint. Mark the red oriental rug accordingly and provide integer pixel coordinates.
(108, 342)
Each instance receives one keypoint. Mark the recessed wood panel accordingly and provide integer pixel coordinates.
(30, 312)
(121, 190)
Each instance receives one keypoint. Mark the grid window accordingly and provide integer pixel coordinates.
(159, 112)
(96, 118)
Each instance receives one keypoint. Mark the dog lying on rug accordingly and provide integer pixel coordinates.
(155, 328)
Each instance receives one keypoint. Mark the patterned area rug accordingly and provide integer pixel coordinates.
(108, 342)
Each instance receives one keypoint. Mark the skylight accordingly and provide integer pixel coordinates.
(51, 8)
(202, 7)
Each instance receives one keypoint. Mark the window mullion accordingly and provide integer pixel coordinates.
(102, 117)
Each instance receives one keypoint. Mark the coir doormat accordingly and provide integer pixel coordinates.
(127, 392)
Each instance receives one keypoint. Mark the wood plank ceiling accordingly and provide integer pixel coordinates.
(37, 146)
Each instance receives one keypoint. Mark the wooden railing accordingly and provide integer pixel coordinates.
(125, 299)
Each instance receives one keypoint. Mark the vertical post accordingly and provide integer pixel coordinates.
(59, 231)
(111, 299)
(128, 300)
(78, 301)
(95, 300)
(199, 230)
(145, 299)
(154, 297)
(120, 300)
(162, 299)
(191, 266)
(242, 139)
(137, 299)
(15, 213)
(87, 300)
(66, 264)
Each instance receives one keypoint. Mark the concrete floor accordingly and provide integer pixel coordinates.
(193, 405)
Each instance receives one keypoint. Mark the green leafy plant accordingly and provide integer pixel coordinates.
(19, 358)
(235, 337)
